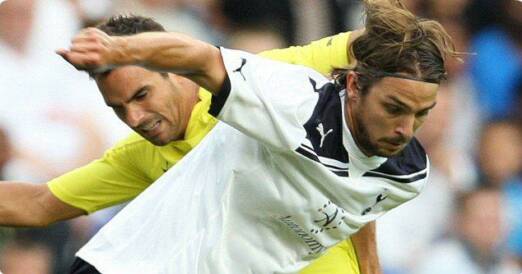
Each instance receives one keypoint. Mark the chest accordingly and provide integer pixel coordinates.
(313, 205)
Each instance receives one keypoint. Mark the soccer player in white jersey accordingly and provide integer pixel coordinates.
(288, 174)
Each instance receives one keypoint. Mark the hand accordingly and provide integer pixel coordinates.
(92, 50)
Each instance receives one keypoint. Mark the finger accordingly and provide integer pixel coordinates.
(85, 48)
(84, 39)
(87, 62)
(87, 30)
(61, 52)
(64, 54)
(92, 32)
(79, 60)
(97, 32)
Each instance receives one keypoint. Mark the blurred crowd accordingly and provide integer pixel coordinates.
(468, 219)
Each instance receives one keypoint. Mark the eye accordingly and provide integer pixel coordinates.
(422, 114)
(141, 95)
(393, 109)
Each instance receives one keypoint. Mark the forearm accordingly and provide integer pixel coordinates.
(364, 242)
(94, 51)
(163, 51)
(25, 204)
(175, 53)
(18, 204)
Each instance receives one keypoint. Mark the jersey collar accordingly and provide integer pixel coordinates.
(199, 124)
(351, 146)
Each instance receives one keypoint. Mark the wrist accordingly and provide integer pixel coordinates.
(123, 52)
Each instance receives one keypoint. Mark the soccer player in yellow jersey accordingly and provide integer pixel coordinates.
(169, 115)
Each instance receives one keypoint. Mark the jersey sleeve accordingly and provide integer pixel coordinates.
(324, 55)
(104, 182)
(267, 100)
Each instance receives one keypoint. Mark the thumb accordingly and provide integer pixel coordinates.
(62, 52)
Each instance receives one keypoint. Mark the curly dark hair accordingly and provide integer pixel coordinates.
(121, 25)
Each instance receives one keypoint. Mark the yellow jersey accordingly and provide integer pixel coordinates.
(129, 167)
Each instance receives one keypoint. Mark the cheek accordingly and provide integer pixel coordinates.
(171, 111)
(370, 126)
(379, 124)
(418, 123)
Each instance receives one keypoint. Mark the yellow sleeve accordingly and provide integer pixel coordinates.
(130, 167)
(323, 55)
(113, 179)
(339, 259)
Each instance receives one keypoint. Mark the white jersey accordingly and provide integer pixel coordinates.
(266, 197)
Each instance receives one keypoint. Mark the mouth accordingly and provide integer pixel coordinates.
(397, 144)
(150, 127)
(394, 145)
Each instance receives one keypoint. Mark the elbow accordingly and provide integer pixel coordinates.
(42, 221)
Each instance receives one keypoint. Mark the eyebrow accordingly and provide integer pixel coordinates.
(134, 95)
(399, 102)
(429, 108)
(408, 108)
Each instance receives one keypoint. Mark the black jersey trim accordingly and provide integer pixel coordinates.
(404, 180)
(217, 102)
(407, 167)
(307, 154)
(332, 166)
(310, 154)
(341, 173)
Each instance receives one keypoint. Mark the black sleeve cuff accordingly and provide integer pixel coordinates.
(218, 101)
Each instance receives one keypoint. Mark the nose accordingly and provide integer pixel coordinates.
(406, 127)
(134, 116)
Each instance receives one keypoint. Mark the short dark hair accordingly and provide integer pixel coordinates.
(121, 25)
(397, 43)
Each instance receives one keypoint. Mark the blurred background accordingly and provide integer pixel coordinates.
(468, 219)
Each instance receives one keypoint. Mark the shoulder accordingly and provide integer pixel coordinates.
(408, 166)
(287, 88)
(236, 60)
(132, 144)
(136, 156)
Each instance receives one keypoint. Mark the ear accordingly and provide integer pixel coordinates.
(351, 86)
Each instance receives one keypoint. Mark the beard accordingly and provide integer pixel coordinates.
(365, 143)
(363, 140)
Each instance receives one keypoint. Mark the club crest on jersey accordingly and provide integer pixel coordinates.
(381, 197)
(332, 218)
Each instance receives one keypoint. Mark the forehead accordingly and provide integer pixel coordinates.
(128, 73)
(125, 80)
(414, 94)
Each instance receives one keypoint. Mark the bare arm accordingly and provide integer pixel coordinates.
(364, 242)
(25, 204)
(93, 50)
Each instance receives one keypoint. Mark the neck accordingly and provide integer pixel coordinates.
(192, 98)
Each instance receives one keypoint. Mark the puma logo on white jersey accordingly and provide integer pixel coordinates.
(320, 128)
